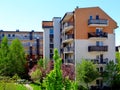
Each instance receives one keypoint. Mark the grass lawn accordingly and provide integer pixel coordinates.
(12, 86)
(35, 87)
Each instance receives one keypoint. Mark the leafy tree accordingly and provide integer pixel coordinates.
(118, 57)
(70, 85)
(112, 75)
(36, 75)
(53, 80)
(86, 72)
(40, 63)
(4, 60)
(15, 77)
(17, 58)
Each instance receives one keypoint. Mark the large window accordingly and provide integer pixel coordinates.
(51, 31)
(99, 43)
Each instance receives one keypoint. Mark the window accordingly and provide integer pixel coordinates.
(25, 36)
(51, 31)
(51, 36)
(97, 17)
(101, 69)
(101, 58)
(90, 17)
(98, 31)
(99, 43)
(97, 57)
(3, 35)
(51, 46)
(51, 50)
(51, 56)
(13, 35)
(97, 82)
(8, 35)
(51, 40)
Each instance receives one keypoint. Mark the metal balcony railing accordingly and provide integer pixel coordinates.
(100, 61)
(68, 49)
(68, 24)
(97, 48)
(94, 34)
(69, 60)
(71, 36)
(98, 21)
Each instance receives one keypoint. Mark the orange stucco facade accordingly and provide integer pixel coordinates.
(82, 15)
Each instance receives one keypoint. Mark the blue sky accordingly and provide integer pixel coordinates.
(28, 14)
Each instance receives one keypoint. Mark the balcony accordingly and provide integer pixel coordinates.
(68, 50)
(97, 35)
(100, 61)
(67, 16)
(69, 60)
(68, 38)
(97, 22)
(97, 48)
(67, 27)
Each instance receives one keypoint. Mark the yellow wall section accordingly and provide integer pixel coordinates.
(82, 15)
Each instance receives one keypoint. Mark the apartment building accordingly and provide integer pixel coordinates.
(85, 33)
(31, 40)
(88, 33)
(51, 37)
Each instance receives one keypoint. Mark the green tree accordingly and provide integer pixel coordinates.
(70, 85)
(118, 57)
(17, 58)
(40, 63)
(53, 80)
(36, 75)
(112, 75)
(4, 60)
(86, 72)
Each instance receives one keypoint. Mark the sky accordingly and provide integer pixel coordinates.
(27, 15)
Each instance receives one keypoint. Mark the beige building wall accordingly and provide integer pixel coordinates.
(81, 49)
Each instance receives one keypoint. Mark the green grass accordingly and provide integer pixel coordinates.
(35, 87)
(12, 86)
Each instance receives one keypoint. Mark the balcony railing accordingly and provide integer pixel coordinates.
(98, 21)
(100, 61)
(69, 60)
(97, 48)
(68, 24)
(67, 38)
(101, 34)
(68, 49)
